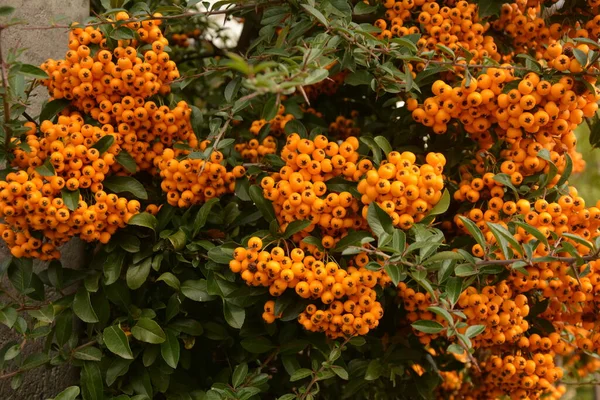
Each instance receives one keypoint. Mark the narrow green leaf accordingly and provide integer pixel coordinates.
(428, 326)
(473, 230)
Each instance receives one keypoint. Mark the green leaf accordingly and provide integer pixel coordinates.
(353, 238)
(257, 345)
(116, 341)
(239, 374)
(567, 170)
(580, 56)
(52, 108)
(532, 231)
(63, 328)
(489, 7)
(125, 184)
(316, 13)
(358, 341)
(202, 215)
(88, 354)
(453, 289)
(144, 219)
(456, 349)
(362, 8)
(12, 352)
(441, 312)
(234, 315)
(170, 280)
(504, 237)
(46, 169)
(69, 393)
(383, 144)
(578, 240)
(442, 256)
(112, 267)
(504, 179)
(71, 198)
(339, 371)
(196, 290)
(394, 272)
(104, 143)
(594, 137)
(117, 367)
(474, 231)
(270, 108)
(474, 330)
(442, 205)
(34, 360)
(6, 10)
(300, 374)
(82, 307)
(92, 387)
(369, 141)
(137, 274)
(265, 207)
(126, 161)
(147, 330)
(360, 77)
(379, 221)
(188, 326)
(8, 316)
(428, 326)
(374, 370)
(123, 33)
(295, 227)
(197, 120)
(170, 349)
(178, 239)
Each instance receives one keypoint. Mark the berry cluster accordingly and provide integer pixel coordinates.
(84, 75)
(404, 190)
(299, 190)
(348, 295)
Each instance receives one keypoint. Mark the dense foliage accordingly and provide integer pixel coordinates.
(359, 199)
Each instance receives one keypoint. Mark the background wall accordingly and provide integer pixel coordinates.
(39, 45)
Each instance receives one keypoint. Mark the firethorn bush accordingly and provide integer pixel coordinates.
(358, 199)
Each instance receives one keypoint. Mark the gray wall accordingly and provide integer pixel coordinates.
(39, 45)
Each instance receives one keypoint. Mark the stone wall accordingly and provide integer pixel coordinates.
(39, 45)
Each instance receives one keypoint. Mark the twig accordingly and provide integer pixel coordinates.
(315, 378)
(215, 143)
